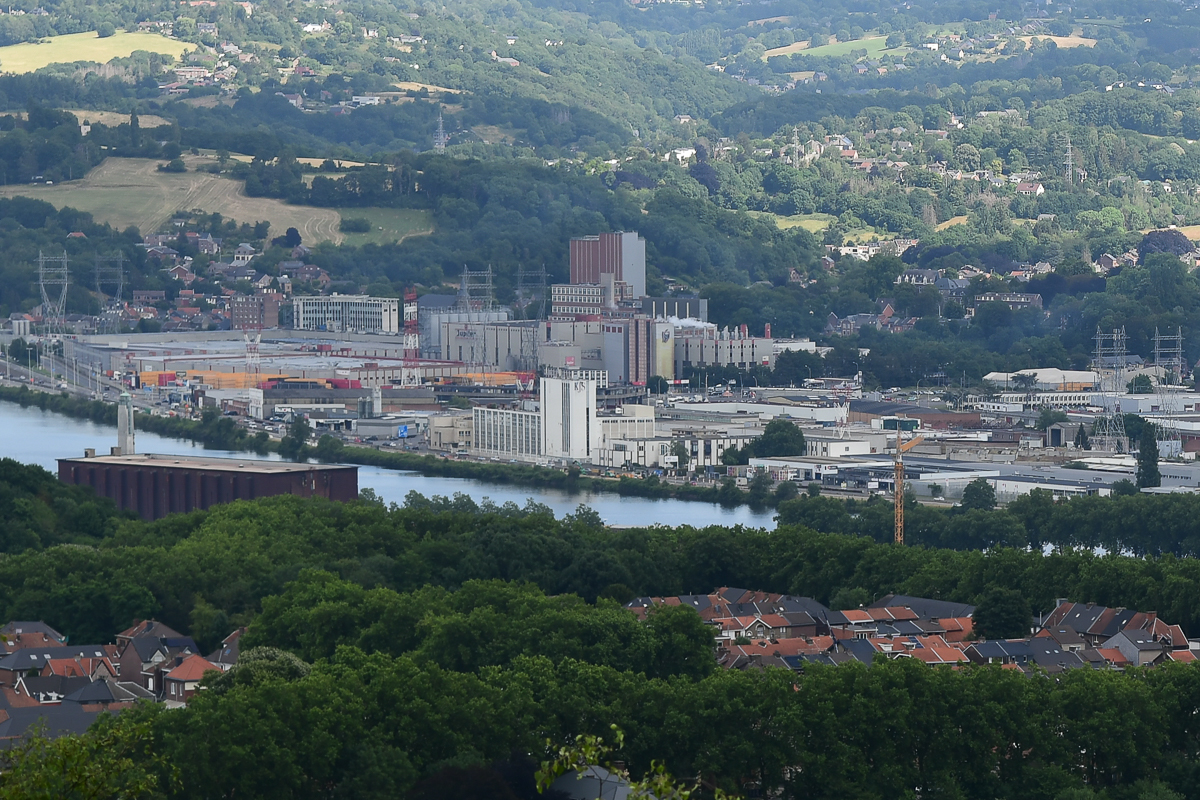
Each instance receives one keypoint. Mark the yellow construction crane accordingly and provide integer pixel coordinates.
(902, 447)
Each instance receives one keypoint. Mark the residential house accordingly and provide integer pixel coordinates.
(225, 657)
(20, 634)
(243, 254)
(1139, 649)
(184, 680)
(1014, 300)
(1035, 189)
(48, 689)
(22, 662)
(181, 273)
(148, 650)
(918, 277)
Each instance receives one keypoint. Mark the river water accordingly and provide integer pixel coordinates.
(39, 437)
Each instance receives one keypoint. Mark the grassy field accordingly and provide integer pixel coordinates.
(27, 57)
(1190, 231)
(407, 86)
(815, 223)
(874, 45)
(128, 191)
(109, 118)
(1063, 41)
(810, 222)
(786, 50)
(131, 191)
(388, 224)
(951, 222)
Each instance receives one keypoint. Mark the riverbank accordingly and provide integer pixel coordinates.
(222, 433)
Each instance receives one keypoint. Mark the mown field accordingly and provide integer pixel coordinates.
(388, 224)
(131, 191)
(27, 57)
(874, 45)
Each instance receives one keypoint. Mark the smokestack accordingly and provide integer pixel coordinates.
(125, 424)
(767, 331)
(377, 401)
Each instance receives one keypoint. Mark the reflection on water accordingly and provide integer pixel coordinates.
(39, 437)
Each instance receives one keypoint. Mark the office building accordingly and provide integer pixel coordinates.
(347, 313)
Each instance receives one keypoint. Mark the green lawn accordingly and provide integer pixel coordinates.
(387, 224)
(874, 45)
(27, 57)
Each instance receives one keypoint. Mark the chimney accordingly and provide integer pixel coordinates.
(114, 451)
(89, 452)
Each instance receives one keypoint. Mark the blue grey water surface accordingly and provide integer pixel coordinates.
(33, 436)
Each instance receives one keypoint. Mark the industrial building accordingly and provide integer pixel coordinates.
(157, 485)
(621, 255)
(353, 313)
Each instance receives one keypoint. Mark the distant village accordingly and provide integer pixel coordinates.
(47, 680)
(755, 630)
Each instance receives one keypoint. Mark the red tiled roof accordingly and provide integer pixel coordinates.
(192, 669)
(1112, 655)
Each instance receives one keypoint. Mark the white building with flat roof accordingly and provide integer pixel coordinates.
(352, 313)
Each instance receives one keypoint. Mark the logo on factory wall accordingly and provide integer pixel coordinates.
(666, 336)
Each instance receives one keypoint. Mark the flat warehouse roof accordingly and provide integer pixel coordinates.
(203, 462)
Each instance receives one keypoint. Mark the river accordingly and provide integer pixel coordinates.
(39, 437)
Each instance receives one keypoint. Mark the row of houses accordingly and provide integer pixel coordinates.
(754, 630)
(45, 680)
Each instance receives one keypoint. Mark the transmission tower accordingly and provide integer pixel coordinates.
(110, 276)
(440, 138)
(1110, 360)
(1170, 365)
(531, 292)
(1070, 162)
(475, 292)
(252, 336)
(53, 280)
(531, 301)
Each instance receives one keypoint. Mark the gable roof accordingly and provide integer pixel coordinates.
(925, 607)
(191, 669)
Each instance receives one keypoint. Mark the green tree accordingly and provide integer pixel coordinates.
(657, 384)
(759, 490)
(979, 495)
(329, 449)
(1002, 613)
(1124, 488)
(1081, 438)
(1048, 417)
(294, 444)
(1148, 474)
(680, 451)
(781, 437)
(1141, 384)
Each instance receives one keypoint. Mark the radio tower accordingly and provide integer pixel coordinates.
(440, 138)
(53, 280)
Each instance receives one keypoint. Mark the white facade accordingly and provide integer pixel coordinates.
(570, 427)
(355, 313)
(508, 434)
